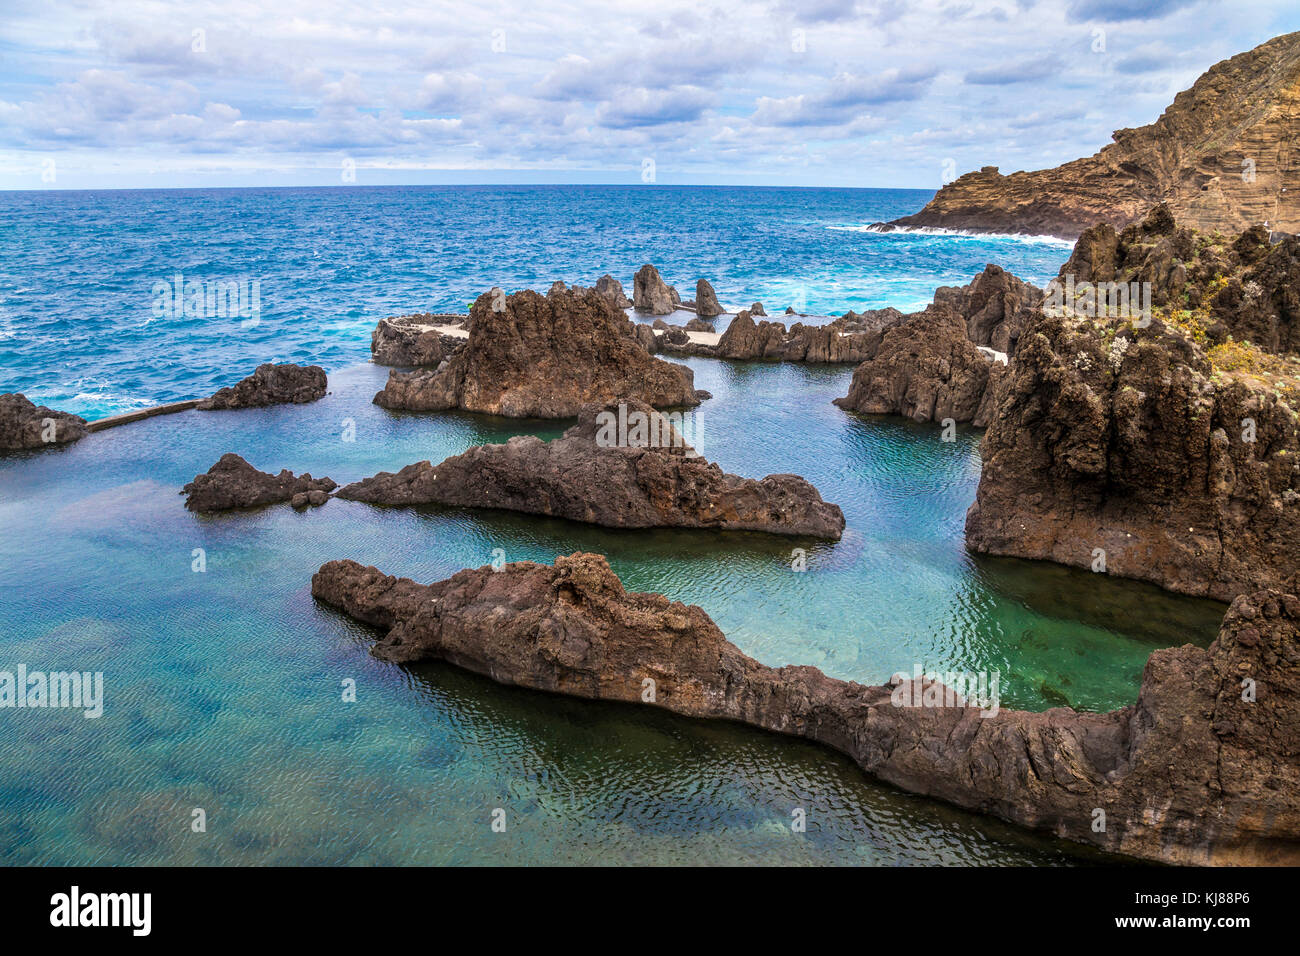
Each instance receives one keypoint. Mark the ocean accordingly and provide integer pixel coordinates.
(224, 681)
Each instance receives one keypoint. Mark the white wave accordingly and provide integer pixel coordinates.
(957, 233)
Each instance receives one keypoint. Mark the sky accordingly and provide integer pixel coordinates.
(871, 93)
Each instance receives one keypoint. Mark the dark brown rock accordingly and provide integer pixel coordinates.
(271, 385)
(766, 340)
(996, 307)
(651, 294)
(543, 356)
(927, 370)
(706, 301)
(1128, 444)
(25, 425)
(1191, 774)
(414, 340)
(612, 289)
(234, 483)
(622, 466)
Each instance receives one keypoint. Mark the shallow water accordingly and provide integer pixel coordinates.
(223, 688)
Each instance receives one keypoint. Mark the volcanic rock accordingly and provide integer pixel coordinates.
(543, 356)
(706, 301)
(1194, 773)
(1213, 156)
(927, 370)
(622, 466)
(612, 289)
(996, 307)
(768, 340)
(26, 425)
(650, 293)
(414, 340)
(234, 483)
(271, 385)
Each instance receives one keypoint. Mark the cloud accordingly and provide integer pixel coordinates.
(1120, 10)
(1003, 74)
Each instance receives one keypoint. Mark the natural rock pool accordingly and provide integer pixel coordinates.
(223, 688)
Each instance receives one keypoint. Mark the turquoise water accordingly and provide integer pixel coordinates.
(77, 323)
(223, 688)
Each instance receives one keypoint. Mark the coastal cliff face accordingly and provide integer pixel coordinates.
(1123, 449)
(618, 467)
(25, 425)
(530, 355)
(1193, 773)
(1221, 156)
(926, 369)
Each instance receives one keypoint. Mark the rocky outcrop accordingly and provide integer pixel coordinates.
(285, 384)
(1126, 449)
(771, 341)
(757, 309)
(1193, 773)
(234, 483)
(651, 294)
(415, 340)
(543, 356)
(1220, 156)
(996, 307)
(25, 425)
(612, 289)
(1241, 287)
(622, 466)
(706, 301)
(926, 369)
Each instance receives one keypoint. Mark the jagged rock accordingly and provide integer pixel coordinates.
(234, 483)
(25, 425)
(1191, 774)
(1210, 156)
(699, 325)
(746, 340)
(872, 320)
(789, 310)
(1126, 445)
(612, 289)
(651, 294)
(414, 340)
(545, 357)
(622, 466)
(757, 309)
(271, 385)
(926, 369)
(996, 307)
(706, 301)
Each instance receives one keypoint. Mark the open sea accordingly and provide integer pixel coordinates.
(223, 678)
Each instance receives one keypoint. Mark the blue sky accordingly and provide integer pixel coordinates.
(151, 93)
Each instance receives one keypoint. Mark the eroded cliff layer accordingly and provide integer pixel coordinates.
(1222, 155)
(1198, 771)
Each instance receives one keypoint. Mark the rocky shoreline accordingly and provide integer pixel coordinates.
(1193, 773)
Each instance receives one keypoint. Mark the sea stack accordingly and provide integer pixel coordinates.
(530, 355)
(651, 294)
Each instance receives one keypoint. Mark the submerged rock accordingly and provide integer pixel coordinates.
(415, 340)
(622, 466)
(271, 385)
(1191, 774)
(25, 425)
(926, 369)
(543, 356)
(706, 301)
(234, 483)
(651, 294)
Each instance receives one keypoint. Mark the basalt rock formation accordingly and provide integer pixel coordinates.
(767, 340)
(1241, 287)
(612, 289)
(234, 483)
(415, 340)
(650, 293)
(271, 385)
(622, 466)
(543, 356)
(926, 369)
(1191, 774)
(996, 307)
(1128, 449)
(706, 300)
(1221, 156)
(25, 425)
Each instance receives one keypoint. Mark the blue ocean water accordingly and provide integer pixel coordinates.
(222, 682)
(78, 330)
